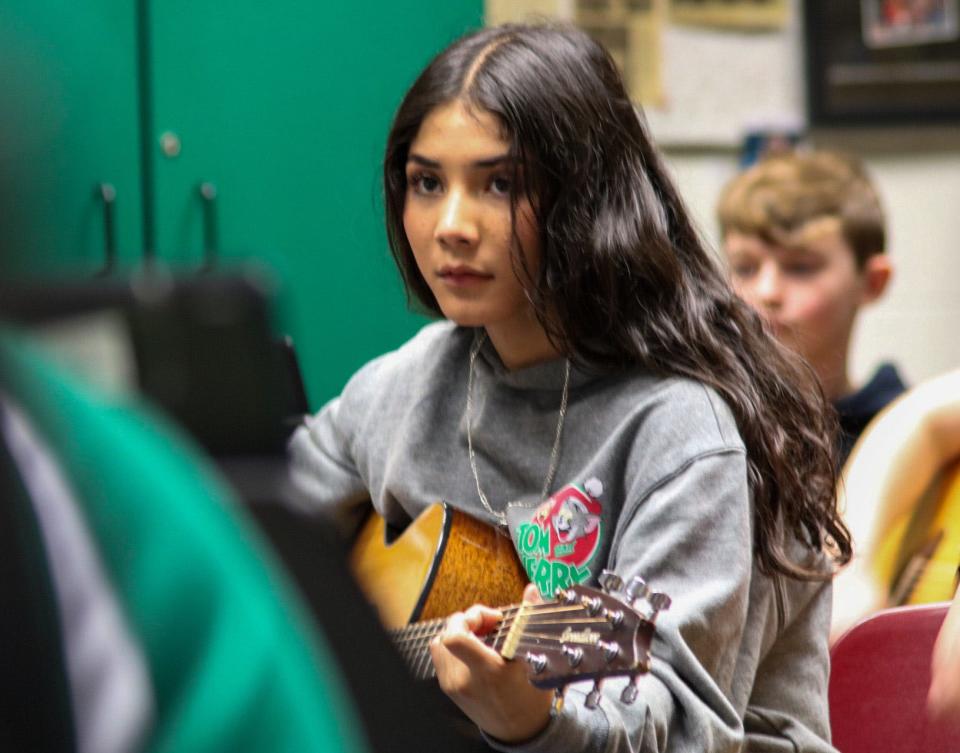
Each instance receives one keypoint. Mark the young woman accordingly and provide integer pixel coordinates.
(599, 393)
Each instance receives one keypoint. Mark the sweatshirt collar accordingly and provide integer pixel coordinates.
(541, 376)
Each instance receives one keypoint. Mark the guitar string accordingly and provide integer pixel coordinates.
(430, 629)
(424, 663)
(416, 631)
(543, 608)
(422, 648)
(425, 669)
(540, 637)
(537, 609)
(413, 641)
(423, 658)
(416, 651)
(504, 625)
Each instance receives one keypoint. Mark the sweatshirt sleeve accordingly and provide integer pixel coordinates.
(797, 710)
(689, 536)
(323, 469)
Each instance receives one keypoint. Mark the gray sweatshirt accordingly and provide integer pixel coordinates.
(651, 481)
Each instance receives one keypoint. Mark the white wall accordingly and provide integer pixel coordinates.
(917, 323)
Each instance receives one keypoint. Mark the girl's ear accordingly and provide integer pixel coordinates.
(877, 271)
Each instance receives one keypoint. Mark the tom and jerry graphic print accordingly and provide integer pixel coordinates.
(561, 538)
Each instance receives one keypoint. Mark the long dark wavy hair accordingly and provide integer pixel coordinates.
(624, 279)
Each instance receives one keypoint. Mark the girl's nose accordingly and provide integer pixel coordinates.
(457, 225)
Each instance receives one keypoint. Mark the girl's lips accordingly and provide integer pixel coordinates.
(463, 277)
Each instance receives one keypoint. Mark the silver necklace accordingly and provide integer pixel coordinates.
(500, 516)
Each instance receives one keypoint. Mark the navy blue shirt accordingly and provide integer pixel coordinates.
(857, 409)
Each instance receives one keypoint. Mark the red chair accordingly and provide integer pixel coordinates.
(878, 684)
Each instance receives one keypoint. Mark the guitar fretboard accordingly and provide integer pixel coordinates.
(413, 641)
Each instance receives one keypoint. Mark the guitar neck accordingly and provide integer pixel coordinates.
(582, 634)
(413, 641)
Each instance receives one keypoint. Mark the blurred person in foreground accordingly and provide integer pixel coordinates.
(142, 612)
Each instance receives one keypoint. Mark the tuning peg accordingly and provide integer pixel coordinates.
(610, 650)
(557, 705)
(594, 696)
(636, 589)
(574, 654)
(610, 582)
(615, 617)
(630, 691)
(592, 605)
(537, 662)
(658, 603)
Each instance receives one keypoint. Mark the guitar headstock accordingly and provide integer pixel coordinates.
(587, 634)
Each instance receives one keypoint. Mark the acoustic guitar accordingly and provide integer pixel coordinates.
(446, 561)
(919, 557)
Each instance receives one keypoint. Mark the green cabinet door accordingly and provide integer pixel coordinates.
(68, 123)
(284, 110)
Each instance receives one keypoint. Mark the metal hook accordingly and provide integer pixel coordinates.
(208, 193)
(108, 196)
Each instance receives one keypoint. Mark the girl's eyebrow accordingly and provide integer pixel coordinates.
(482, 163)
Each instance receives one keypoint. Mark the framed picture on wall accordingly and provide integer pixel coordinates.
(877, 62)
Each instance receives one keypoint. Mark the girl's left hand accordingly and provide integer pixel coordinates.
(493, 692)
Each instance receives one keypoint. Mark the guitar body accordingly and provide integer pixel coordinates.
(938, 580)
(919, 556)
(443, 562)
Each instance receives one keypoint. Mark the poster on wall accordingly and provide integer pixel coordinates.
(699, 85)
(739, 14)
(496, 12)
(631, 30)
(879, 62)
(893, 23)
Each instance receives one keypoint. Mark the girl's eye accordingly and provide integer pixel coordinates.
(424, 183)
(500, 185)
